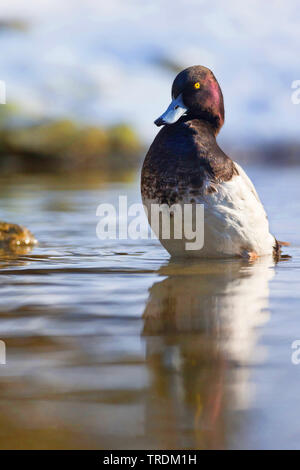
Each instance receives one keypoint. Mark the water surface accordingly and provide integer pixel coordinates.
(111, 345)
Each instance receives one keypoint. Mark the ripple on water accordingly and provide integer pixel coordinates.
(112, 345)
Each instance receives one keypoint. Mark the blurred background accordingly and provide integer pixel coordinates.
(85, 80)
(109, 343)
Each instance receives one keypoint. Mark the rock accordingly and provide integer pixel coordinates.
(13, 236)
(65, 146)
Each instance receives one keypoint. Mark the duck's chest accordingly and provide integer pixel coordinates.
(175, 168)
(170, 187)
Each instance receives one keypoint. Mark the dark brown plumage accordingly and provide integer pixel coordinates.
(184, 155)
(205, 102)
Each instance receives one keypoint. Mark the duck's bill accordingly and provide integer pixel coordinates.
(173, 113)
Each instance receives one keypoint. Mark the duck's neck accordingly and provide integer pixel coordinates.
(205, 121)
(202, 127)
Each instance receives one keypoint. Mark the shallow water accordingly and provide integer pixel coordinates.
(112, 345)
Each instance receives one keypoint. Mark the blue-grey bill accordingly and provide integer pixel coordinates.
(173, 113)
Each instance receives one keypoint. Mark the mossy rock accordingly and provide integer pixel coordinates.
(45, 139)
(65, 146)
(13, 236)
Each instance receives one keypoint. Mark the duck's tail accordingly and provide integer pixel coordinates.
(277, 250)
(282, 243)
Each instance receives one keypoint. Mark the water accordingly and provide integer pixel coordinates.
(112, 345)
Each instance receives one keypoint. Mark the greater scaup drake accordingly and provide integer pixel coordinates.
(185, 165)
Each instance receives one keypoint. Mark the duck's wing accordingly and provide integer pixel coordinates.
(251, 187)
(247, 180)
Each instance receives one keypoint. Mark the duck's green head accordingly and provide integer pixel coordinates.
(196, 94)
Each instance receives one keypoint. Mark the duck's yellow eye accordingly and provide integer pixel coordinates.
(197, 85)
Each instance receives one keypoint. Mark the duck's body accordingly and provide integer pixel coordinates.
(185, 165)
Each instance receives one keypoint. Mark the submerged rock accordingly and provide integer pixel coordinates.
(13, 236)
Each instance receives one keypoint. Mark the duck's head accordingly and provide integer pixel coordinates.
(196, 94)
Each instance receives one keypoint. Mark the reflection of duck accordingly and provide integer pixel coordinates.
(185, 165)
(199, 325)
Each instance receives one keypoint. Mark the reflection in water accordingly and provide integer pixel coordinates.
(200, 328)
(13, 257)
(83, 374)
(109, 348)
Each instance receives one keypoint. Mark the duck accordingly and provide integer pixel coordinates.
(185, 166)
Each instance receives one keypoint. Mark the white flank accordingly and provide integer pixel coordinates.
(235, 222)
